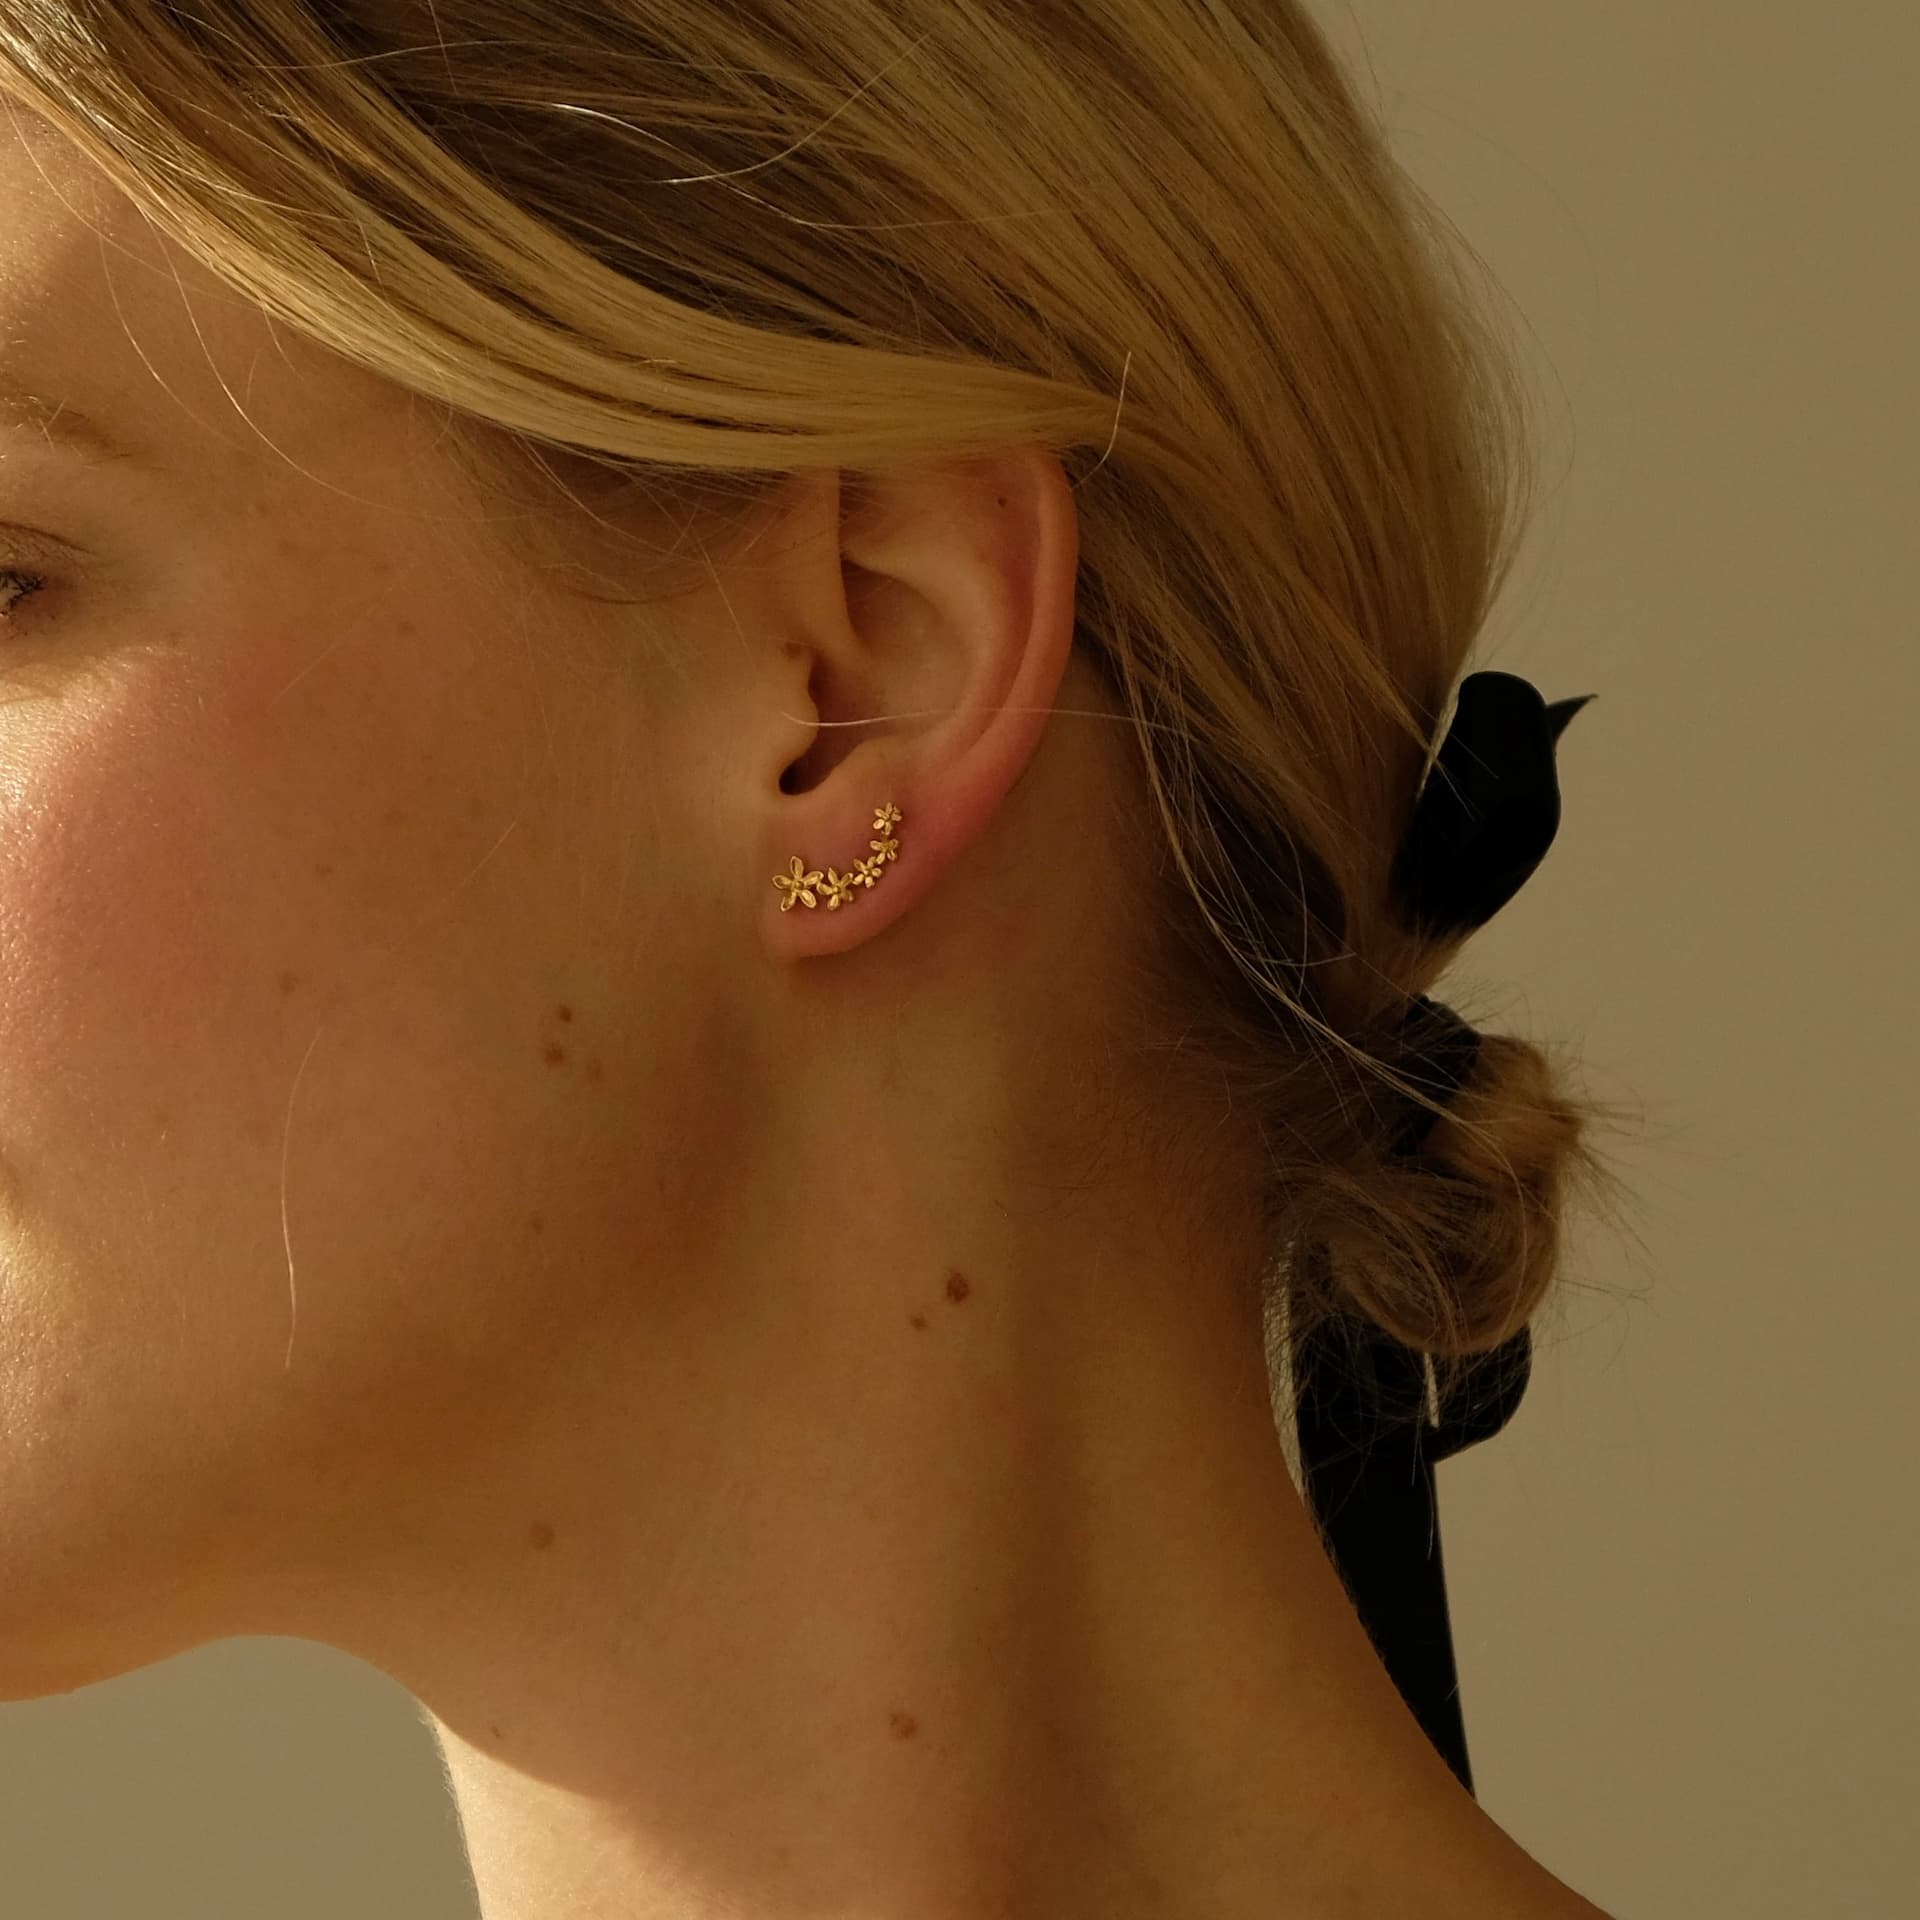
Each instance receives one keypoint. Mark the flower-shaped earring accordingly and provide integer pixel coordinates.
(805, 887)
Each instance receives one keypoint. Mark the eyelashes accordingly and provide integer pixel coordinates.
(17, 587)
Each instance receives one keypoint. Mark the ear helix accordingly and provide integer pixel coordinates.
(808, 888)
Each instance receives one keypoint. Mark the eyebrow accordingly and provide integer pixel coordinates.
(62, 425)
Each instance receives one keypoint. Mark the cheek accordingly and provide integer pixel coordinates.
(193, 864)
(114, 932)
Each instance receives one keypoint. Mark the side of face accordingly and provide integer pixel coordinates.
(363, 1011)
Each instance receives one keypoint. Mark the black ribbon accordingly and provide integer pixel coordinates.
(1489, 809)
(1486, 815)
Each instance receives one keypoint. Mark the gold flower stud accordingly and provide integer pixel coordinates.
(808, 887)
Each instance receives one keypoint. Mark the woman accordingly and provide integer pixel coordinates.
(705, 713)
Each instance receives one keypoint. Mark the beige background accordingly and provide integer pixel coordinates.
(1683, 1580)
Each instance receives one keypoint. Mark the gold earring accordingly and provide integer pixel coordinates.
(837, 888)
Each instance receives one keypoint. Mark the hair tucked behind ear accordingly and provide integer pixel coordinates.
(701, 248)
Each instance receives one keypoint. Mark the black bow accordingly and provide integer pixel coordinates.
(1490, 807)
(1484, 820)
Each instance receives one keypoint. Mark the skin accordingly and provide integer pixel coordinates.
(724, 1361)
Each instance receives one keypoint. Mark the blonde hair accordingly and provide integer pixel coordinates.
(703, 248)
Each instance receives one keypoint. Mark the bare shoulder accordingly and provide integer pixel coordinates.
(1477, 1870)
(1530, 1892)
(1466, 1880)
